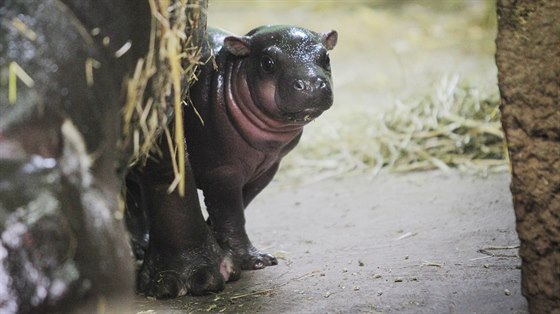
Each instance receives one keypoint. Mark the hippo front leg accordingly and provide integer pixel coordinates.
(226, 198)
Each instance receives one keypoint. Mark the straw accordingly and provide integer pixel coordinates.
(155, 90)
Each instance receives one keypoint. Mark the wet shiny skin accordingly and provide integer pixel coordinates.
(253, 115)
(244, 123)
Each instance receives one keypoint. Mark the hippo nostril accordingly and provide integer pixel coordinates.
(320, 84)
(299, 85)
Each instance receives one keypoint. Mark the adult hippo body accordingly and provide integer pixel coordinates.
(65, 69)
(248, 111)
(61, 247)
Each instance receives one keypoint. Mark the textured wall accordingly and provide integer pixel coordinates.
(528, 59)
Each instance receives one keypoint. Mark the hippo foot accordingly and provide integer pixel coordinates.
(251, 258)
(196, 272)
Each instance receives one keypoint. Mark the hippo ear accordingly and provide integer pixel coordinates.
(238, 46)
(330, 39)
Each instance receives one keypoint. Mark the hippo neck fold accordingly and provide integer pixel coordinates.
(247, 115)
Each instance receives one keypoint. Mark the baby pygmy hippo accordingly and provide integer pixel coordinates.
(249, 107)
(267, 85)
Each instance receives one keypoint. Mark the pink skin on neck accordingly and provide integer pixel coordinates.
(257, 127)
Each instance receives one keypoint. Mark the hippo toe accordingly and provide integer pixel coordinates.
(257, 260)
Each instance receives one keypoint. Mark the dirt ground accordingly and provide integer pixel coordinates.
(429, 242)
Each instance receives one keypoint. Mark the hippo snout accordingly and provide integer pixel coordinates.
(309, 93)
(303, 100)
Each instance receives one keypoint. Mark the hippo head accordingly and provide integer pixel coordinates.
(287, 70)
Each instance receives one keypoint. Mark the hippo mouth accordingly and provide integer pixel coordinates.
(302, 117)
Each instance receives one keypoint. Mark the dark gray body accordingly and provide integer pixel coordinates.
(252, 100)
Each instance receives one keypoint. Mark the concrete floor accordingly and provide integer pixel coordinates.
(427, 242)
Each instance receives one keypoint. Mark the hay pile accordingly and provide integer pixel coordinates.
(154, 91)
(456, 126)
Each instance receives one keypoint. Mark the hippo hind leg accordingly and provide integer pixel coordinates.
(136, 216)
(181, 257)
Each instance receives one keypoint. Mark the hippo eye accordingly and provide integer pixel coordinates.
(267, 64)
